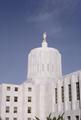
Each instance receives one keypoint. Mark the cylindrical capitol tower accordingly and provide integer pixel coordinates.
(44, 62)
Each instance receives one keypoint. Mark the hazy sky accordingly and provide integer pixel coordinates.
(22, 23)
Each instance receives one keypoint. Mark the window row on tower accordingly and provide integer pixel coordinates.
(43, 67)
(15, 109)
(69, 93)
(15, 118)
(15, 98)
(8, 88)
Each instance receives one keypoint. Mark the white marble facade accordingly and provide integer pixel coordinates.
(45, 91)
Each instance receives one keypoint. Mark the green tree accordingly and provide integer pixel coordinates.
(60, 117)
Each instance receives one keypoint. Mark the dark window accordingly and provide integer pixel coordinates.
(52, 68)
(29, 89)
(56, 95)
(42, 67)
(15, 110)
(29, 109)
(8, 88)
(62, 90)
(7, 109)
(77, 90)
(70, 95)
(78, 77)
(37, 67)
(68, 117)
(16, 88)
(48, 67)
(7, 98)
(29, 118)
(29, 99)
(77, 117)
(7, 118)
(14, 118)
(15, 99)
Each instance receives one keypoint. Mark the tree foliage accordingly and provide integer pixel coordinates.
(59, 117)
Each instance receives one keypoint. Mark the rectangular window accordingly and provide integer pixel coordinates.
(52, 68)
(48, 67)
(29, 89)
(7, 118)
(68, 117)
(16, 89)
(8, 88)
(62, 91)
(15, 99)
(69, 90)
(15, 110)
(42, 67)
(29, 118)
(56, 95)
(29, 99)
(14, 118)
(77, 90)
(7, 109)
(29, 109)
(7, 98)
(38, 67)
(77, 117)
